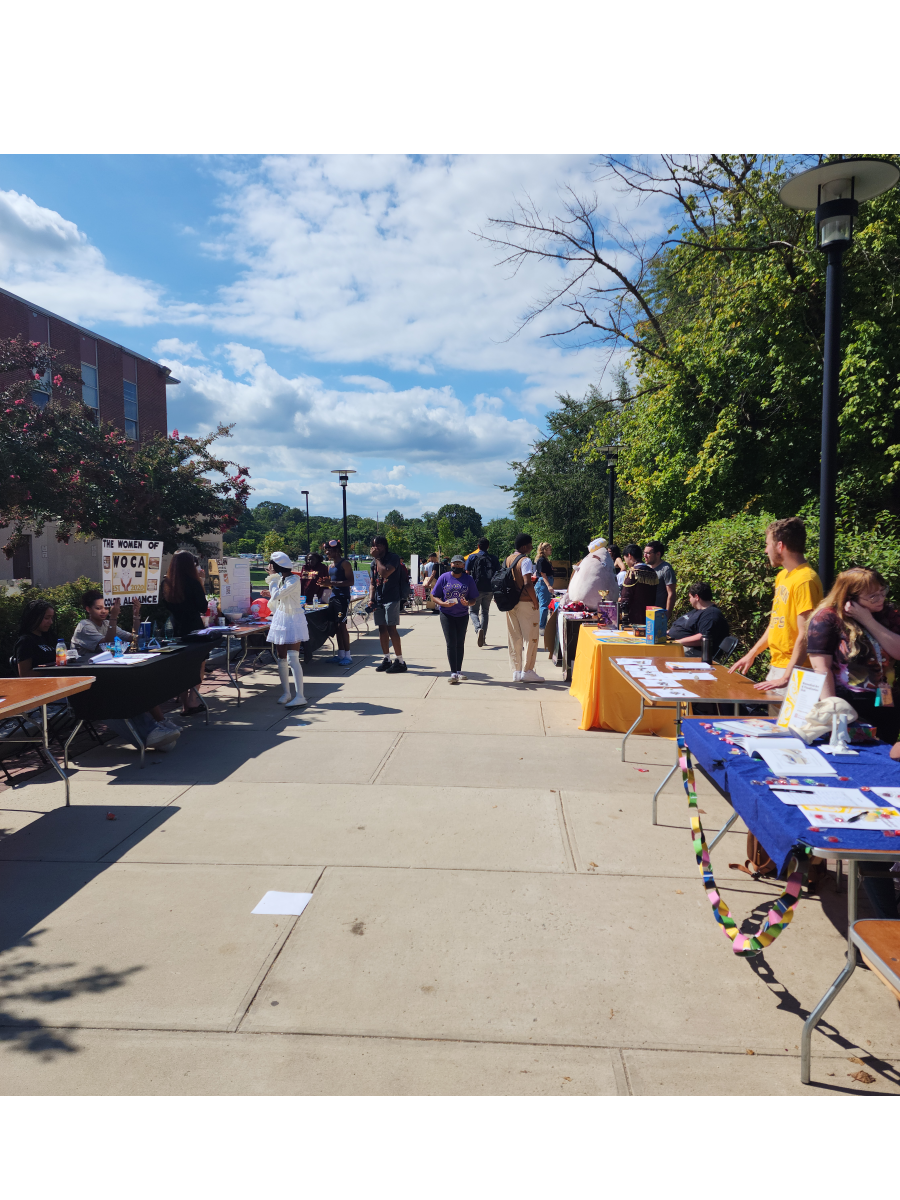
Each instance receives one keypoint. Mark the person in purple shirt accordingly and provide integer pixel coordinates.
(454, 593)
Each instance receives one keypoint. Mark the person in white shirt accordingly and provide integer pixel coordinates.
(523, 621)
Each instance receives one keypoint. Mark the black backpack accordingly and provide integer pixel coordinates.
(482, 567)
(503, 585)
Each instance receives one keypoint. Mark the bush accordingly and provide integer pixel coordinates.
(729, 554)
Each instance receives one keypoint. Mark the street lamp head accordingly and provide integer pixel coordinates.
(304, 492)
(343, 476)
(834, 192)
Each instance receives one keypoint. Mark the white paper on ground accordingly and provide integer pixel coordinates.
(867, 818)
(831, 797)
(788, 756)
(283, 904)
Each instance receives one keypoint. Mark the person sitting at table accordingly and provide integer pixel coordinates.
(639, 587)
(34, 647)
(853, 639)
(704, 619)
(288, 628)
(184, 596)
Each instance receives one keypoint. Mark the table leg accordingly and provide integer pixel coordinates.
(838, 874)
(677, 758)
(632, 729)
(137, 739)
(232, 678)
(728, 824)
(51, 757)
(813, 1019)
(68, 743)
(659, 789)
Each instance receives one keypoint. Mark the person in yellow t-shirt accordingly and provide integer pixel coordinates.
(798, 590)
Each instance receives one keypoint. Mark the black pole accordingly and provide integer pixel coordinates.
(344, 490)
(308, 542)
(612, 494)
(831, 370)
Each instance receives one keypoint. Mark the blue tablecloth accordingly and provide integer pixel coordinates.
(778, 826)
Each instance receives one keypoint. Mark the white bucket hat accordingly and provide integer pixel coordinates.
(280, 559)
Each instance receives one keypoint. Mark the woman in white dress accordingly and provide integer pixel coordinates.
(288, 628)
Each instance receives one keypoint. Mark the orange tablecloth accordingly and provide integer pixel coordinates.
(607, 700)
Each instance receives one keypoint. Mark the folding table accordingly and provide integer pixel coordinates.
(22, 695)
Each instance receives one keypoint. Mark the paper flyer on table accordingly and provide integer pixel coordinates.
(751, 727)
(803, 692)
(831, 797)
(861, 819)
(673, 693)
(788, 756)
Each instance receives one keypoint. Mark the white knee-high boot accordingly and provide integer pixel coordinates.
(284, 674)
(297, 671)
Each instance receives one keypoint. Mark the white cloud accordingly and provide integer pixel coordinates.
(176, 348)
(371, 382)
(50, 261)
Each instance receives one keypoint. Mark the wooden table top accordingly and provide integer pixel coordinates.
(727, 689)
(21, 695)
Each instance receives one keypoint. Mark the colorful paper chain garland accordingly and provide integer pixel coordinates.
(780, 914)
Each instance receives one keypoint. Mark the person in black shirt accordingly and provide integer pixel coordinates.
(35, 647)
(185, 597)
(386, 599)
(705, 619)
(482, 566)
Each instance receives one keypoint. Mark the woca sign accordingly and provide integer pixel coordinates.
(131, 570)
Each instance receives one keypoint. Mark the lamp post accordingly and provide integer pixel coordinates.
(834, 192)
(343, 475)
(612, 456)
(308, 544)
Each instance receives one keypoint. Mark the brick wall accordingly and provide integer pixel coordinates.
(17, 317)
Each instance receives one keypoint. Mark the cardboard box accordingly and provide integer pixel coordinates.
(657, 625)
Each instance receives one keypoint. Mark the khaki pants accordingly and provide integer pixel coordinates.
(522, 629)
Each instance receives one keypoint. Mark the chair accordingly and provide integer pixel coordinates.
(726, 649)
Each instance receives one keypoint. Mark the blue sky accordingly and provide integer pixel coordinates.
(338, 309)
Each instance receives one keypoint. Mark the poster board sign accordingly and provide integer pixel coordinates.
(131, 569)
(234, 584)
(803, 692)
(362, 580)
(414, 568)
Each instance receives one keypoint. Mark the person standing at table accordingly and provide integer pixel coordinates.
(639, 587)
(543, 584)
(798, 590)
(340, 575)
(288, 628)
(665, 574)
(455, 593)
(184, 596)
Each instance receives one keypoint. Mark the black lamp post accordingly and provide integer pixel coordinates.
(834, 192)
(612, 455)
(308, 544)
(344, 478)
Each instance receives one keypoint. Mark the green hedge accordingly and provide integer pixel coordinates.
(730, 556)
(66, 599)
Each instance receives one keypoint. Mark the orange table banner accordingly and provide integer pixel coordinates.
(607, 700)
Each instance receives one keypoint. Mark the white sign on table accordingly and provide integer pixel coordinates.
(803, 692)
(234, 584)
(131, 570)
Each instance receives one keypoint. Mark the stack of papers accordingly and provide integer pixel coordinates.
(752, 727)
(787, 756)
(126, 660)
(662, 683)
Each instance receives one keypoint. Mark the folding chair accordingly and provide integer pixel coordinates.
(726, 649)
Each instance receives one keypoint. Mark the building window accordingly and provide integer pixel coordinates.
(131, 409)
(90, 391)
(41, 393)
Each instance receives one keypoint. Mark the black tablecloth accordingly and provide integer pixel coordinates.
(322, 625)
(125, 692)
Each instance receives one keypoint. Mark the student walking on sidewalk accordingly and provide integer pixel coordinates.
(482, 567)
(454, 593)
(522, 621)
(386, 600)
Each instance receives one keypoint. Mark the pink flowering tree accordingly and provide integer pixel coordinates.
(58, 465)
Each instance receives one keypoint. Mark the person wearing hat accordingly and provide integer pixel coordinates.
(288, 628)
(340, 575)
(454, 593)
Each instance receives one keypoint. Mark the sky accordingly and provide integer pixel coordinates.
(338, 309)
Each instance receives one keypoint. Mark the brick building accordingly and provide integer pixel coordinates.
(121, 386)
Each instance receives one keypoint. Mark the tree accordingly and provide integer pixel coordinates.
(723, 319)
(394, 517)
(271, 543)
(60, 465)
(501, 533)
(465, 522)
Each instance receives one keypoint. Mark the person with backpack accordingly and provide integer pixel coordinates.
(386, 598)
(482, 567)
(514, 594)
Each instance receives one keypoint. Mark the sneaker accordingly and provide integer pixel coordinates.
(532, 677)
(162, 738)
(481, 637)
(459, 675)
(454, 678)
(337, 658)
(398, 666)
(168, 724)
(347, 661)
(517, 676)
(385, 664)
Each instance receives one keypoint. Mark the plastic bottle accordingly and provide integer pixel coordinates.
(60, 653)
(213, 610)
(169, 627)
(118, 647)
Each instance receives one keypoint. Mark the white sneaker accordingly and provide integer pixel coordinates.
(532, 677)
(454, 678)
(162, 738)
(459, 675)
(172, 725)
(517, 676)
(297, 702)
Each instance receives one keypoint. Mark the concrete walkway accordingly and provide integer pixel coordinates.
(492, 911)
